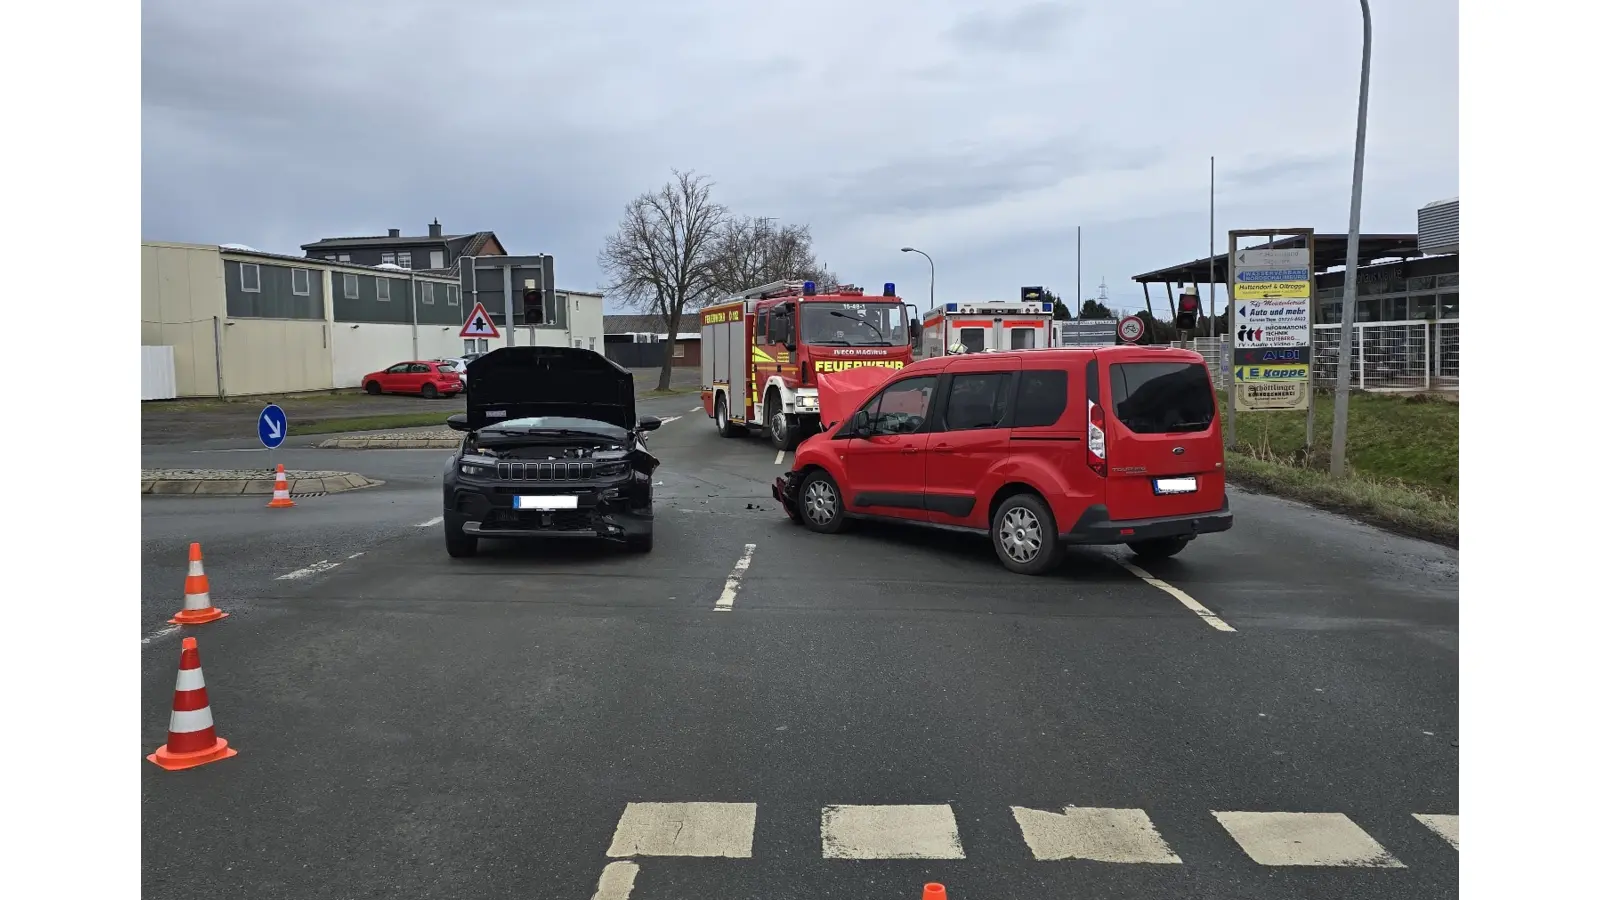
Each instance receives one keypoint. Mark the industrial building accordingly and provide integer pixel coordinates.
(229, 321)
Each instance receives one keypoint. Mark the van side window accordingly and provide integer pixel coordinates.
(1041, 398)
(902, 407)
(977, 401)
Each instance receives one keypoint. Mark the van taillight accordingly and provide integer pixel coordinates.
(1097, 439)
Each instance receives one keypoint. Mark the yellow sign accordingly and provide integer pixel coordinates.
(1274, 372)
(839, 365)
(717, 318)
(1268, 290)
(1281, 395)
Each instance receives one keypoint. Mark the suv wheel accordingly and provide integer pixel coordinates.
(1024, 535)
(1158, 548)
(724, 427)
(458, 543)
(779, 425)
(821, 510)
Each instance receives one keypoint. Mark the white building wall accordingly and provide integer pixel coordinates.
(365, 347)
(180, 306)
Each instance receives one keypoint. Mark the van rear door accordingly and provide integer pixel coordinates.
(1164, 438)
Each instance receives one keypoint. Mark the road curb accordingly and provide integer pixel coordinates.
(220, 483)
(420, 440)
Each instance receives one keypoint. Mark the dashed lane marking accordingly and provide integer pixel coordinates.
(1447, 827)
(170, 629)
(1102, 835)
(779, 460)
(890, 832)
(685, 829)
(667, 419)
(313, 569)
(696, 409)
(730, 588)
(1305, 839)
(431, 522)
(616, 880)
(1207, 615)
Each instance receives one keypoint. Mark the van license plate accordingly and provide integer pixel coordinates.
(1177, 485)
(548, 501)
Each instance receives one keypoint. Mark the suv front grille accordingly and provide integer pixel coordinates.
(544, 471)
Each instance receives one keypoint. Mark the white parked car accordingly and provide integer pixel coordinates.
(457, 363)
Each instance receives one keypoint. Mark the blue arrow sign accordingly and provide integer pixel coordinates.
(272, 426)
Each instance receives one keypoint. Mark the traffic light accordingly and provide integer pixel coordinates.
(1032, 294)
(1188, 309)
(533, 306)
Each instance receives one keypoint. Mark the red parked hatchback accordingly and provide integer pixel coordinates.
(431, 379)
(1038, 448)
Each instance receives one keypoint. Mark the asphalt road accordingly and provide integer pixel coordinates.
(414, 726)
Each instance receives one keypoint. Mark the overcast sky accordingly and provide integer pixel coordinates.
(980, 132)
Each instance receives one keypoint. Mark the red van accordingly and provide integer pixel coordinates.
(1038, 448)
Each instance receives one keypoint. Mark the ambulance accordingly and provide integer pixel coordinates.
(979, 326)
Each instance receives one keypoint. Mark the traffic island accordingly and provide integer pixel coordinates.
(396, 440)
(248, 482)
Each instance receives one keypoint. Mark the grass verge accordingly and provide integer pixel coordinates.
(369, 423)
(1403, 454)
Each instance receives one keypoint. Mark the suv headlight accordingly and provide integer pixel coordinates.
(609, 469)
(476, 466)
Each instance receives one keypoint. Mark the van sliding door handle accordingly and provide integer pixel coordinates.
(908, 449)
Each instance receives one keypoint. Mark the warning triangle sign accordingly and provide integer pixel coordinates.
(479, 325)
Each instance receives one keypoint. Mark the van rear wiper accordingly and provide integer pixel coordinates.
(1190, 426)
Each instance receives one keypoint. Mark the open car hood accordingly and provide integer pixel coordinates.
(521, 382)
(840, 393)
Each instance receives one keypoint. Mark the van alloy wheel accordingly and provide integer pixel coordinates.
(1021, 534)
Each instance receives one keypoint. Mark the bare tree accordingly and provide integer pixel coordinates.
(662, 256)
(750, 252)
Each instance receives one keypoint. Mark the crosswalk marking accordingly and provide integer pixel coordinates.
(890, 832)
(616, 881)
(685, 829)
(1305, 839)
(1102, 835)
(929, 831)
(1447, 827)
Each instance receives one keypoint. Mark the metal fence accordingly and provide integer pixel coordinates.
(1392, 356)
(1384, 356)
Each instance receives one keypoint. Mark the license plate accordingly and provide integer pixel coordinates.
(547, 501)
(1186, 485)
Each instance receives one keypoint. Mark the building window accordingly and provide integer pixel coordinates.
(388, 258)
(250, 278)
(591, 343)
(383, 289)
(300, 281)
(405, 260)
(452, 295)
(427, 293)
(435, 259)
(344, 257)
(352, 288)
(677, 351)
(330, 256)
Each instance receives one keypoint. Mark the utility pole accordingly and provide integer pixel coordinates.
(1352, 261)
(1211, 258)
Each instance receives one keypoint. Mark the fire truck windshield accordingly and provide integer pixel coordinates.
(853, 324)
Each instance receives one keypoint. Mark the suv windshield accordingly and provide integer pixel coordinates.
(853, 324)
(1159, 397)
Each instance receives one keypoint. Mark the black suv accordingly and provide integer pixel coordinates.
(552, 449)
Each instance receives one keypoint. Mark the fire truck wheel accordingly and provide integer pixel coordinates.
(820, 507)
(724, 427)
(1024, 535)
(780, 427)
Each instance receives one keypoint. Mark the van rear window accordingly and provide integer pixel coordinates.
(1160, 397)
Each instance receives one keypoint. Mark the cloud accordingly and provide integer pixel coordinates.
(981, 132)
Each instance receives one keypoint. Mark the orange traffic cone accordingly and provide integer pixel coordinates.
(191, 735)
(197, 608)
(280, 491)
(933, 890)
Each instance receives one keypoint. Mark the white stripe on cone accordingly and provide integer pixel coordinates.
(190, 680)
(196, 567)
(187, 720)
(201, 600)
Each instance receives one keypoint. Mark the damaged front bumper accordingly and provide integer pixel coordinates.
(492, 512)
(786, 490)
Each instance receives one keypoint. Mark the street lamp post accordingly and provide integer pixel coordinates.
(1352, 260)
(930, 271)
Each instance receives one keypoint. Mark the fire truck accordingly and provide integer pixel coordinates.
(762, 350)
(986, 325)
